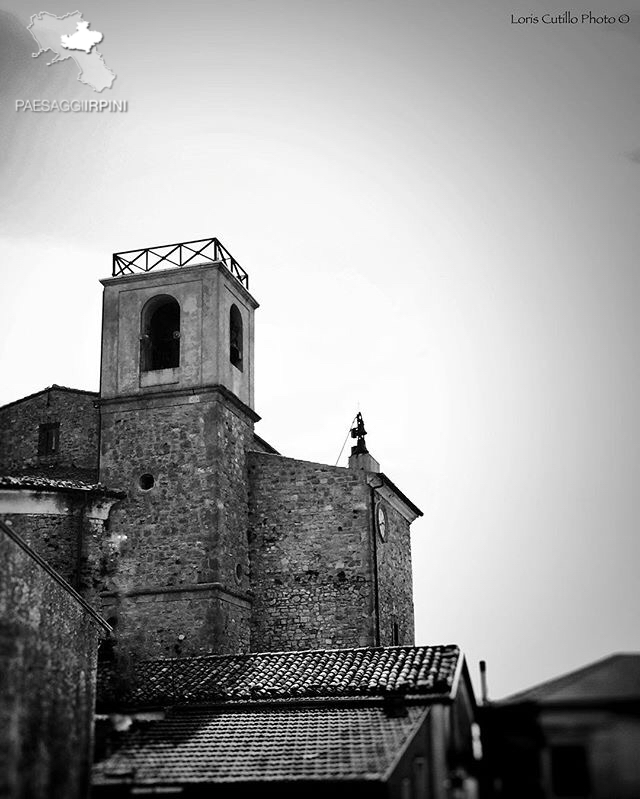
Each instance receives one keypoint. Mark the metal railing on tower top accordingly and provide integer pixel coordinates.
(180, 254)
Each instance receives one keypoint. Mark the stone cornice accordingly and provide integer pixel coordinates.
(167, 275)
(57, 501)
(243, 598)
(182, 396)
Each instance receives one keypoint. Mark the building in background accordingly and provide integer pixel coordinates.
(197, 540)
(574, 736)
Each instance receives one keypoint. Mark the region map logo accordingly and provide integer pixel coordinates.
(70, 37)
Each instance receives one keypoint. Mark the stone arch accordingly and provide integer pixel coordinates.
(160, 334)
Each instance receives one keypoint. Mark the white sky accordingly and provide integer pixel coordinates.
(438, 212)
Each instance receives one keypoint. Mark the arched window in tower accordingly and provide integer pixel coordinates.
(235, 337)
(160, 339)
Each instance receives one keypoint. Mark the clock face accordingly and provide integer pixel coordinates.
(381, 519)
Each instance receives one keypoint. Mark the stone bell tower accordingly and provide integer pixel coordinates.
(176, 401)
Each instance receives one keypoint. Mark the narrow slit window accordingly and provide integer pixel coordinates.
(235, 337)
(160, 339)
(395, 634)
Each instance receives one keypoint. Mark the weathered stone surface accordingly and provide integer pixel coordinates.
(188, 529)
(221, 545)
(78, 436)
(200, 621)
(55, 538)
(311, 559)
(205, 294)
(67, 528)
(321, 574)
(394, 580)
(48, 648)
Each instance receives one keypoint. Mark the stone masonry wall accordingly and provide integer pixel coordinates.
(54, 538)
(310, 548)
(78, 546)
(78, 436)
(176, 623)
(189, 529)
(395, 591)
(48, 652)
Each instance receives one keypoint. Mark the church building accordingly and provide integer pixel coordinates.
(243, 590)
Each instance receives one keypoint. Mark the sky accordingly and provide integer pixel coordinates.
(437, 208)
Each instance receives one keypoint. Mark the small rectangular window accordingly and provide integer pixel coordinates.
(49, 438)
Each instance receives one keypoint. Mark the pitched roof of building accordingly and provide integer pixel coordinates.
(265, 445)
(614, 678)
(427, 672)
(254, 745)
(53, 387)
(41, 483)
(402, 496)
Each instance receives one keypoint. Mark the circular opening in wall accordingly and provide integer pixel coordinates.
(238, 573)
(146, 481)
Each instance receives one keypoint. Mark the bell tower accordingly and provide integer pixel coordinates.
(176, 399)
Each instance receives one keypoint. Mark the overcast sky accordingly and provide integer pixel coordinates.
(438, 211)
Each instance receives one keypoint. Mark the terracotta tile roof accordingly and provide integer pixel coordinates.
(426, 671)
(250, 745)
(39, 482)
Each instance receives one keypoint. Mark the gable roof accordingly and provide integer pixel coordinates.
(614, 678)
(427, 672)
(53, 387)
(255, 745)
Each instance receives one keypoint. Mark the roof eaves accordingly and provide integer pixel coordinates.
(460, 665)
(37, 483)
(390, 491)
(401, 495)
(584, 704)
(271, 450)
(231, 705)
(151, 786)
(407, 743)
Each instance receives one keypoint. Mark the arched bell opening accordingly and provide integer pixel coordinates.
(160, 334)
